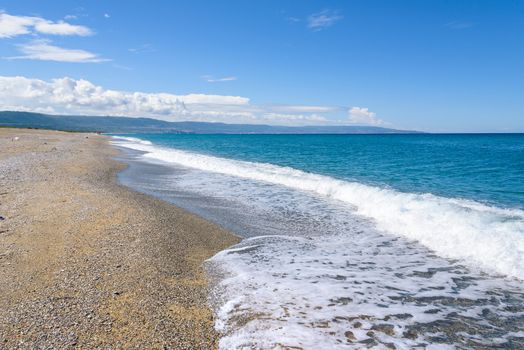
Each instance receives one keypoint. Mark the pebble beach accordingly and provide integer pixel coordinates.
(86, 263)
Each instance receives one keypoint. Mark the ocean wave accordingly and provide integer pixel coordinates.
(483, 236)
(132, 140)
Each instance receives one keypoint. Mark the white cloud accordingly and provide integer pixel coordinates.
(304, 109)
(81, 97)
(358, 115)
(67, 95)
(61, 28)
(11, 26)
(43, 50)
(323, 19)
(210, 79)
(106, 15)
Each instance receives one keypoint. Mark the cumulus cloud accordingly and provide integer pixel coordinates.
(82, 97)
(323, 19)
(11, 26)
(43, 50)
(67, 95)
(358, 115)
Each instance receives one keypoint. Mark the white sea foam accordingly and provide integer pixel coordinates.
(131, 140)
(483, 236)
(283, 292)
(316, 275)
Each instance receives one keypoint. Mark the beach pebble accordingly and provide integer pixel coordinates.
(388, 329)
(410, 334)
(349, 335)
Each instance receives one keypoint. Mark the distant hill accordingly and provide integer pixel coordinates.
(149, 125)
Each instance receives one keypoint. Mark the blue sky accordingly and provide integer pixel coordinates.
(439, 66)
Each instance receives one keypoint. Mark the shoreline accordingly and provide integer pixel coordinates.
(91, 263)
(317, 272)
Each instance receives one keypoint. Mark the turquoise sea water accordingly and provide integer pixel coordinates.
(353, 241)
(487, 168)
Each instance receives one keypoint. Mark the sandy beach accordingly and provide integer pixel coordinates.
(86, 263)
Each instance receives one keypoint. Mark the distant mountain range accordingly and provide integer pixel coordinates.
(149, 125)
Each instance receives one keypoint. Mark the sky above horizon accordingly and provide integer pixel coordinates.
(438, 66)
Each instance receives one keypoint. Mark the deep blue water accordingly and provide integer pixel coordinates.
(487, 168)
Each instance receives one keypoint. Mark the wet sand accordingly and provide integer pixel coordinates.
(86, 263)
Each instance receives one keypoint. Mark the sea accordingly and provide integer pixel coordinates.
(352, 241)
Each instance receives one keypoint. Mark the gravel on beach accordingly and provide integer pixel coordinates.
(86, 263)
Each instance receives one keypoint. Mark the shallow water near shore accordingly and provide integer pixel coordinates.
(318, 268)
